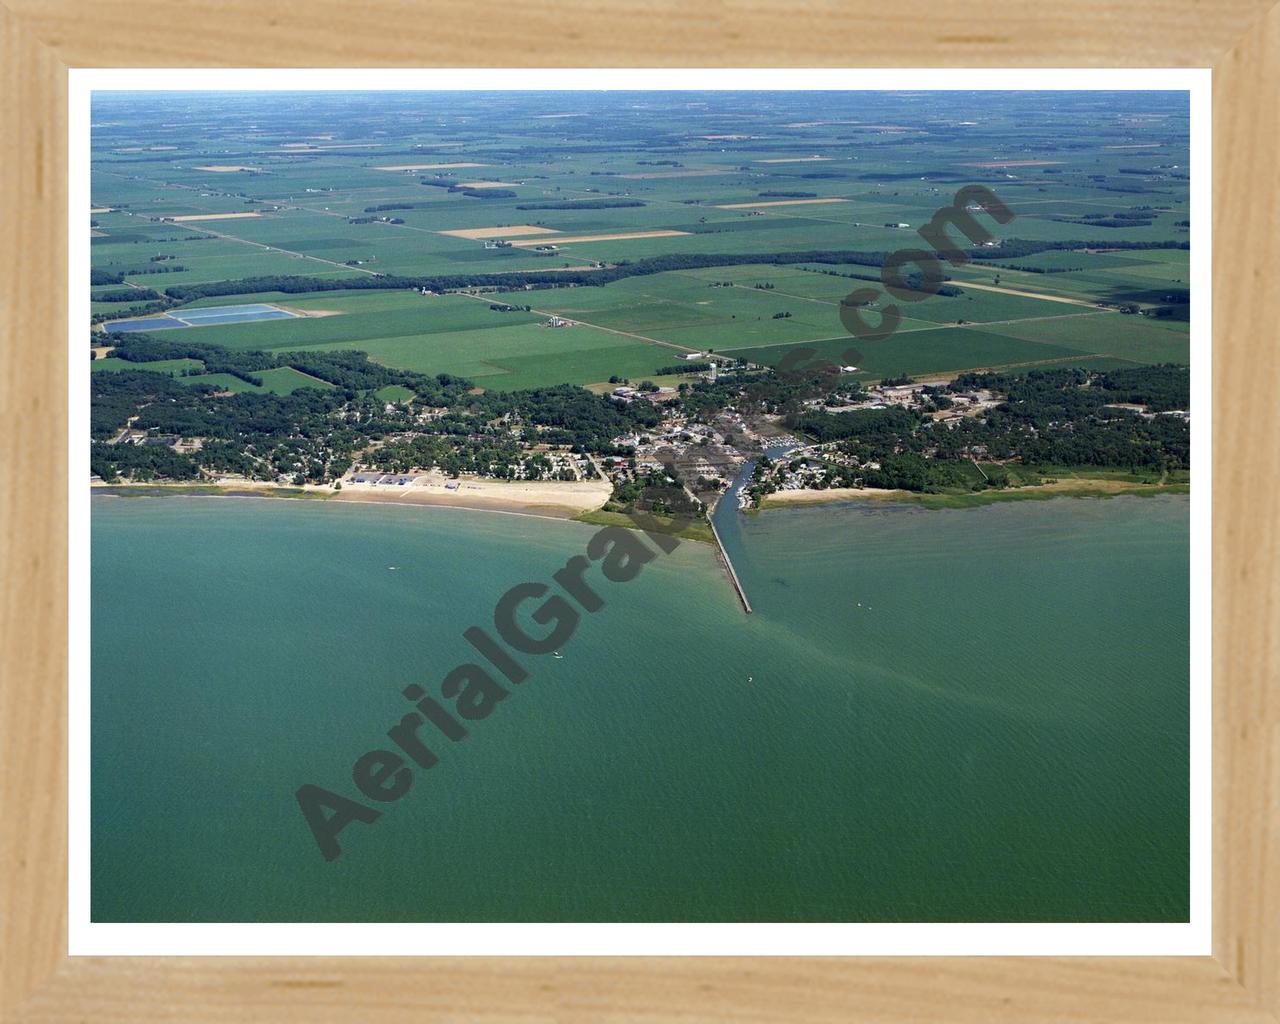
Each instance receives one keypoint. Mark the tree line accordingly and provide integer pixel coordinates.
(294, 284)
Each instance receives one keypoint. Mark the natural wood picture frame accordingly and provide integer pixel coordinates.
(1240, 982)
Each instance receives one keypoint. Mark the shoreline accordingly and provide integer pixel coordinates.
(1084, 488)
(403, 497)
(488, 501)
(260, 489)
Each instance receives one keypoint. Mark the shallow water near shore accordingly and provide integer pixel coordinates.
(966, 715)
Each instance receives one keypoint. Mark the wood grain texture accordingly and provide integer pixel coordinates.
(38, 983)
(33, 513)
(657, 33)
(1246, 368)
(645, 991)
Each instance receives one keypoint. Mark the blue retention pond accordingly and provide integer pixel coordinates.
(208, 316)
(151, 323)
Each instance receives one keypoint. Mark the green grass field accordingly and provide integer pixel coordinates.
(171, 366)
(517, 356)
(394, 393)
(944, 349)
(224, 382)
(316, 205)
(285, 380)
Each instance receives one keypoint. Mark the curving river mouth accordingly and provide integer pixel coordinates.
(961, 715)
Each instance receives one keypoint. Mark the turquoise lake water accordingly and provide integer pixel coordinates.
(962, 715)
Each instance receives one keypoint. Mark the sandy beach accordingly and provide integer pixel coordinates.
(548, 498)
(1073, 487)
(815, 497)
(564, 498)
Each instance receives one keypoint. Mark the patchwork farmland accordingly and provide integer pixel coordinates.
(492, 242)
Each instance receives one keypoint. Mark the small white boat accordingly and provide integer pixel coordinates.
(556, 654)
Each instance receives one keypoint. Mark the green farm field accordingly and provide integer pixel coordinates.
(170, 366)
(282, 380)
(770, 181)
(517, 356)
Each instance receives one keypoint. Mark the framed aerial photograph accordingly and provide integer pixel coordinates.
(551, 542)
(877, 400)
